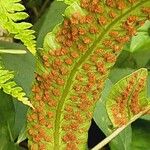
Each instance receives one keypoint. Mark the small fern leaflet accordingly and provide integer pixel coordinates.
(128, 98)
(11, 11)
(11, 88)
(126, 103)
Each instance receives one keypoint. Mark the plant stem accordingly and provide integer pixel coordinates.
(116, 132)
(12, 51)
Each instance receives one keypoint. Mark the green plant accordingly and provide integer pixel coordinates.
(126, 102)
(128, 98)
(10, 13)
(77, 57)
(73, 66)
(10, 87)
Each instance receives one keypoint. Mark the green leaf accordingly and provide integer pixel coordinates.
(142, 58)
(146, 117)
(141, 41)
(18, 15)
(10, 87)
(7, 145)
(74, 65)
(133, 60)
(7, 113)
(127, 98)
(54, 11)
(123, 140)
(8, 45)
(126, 60)
(141, 136)
(10, 13)
(23, 66)
(117, 74)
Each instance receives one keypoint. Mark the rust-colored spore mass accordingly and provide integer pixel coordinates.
(135, 104)
(129, 97)
(65, 94)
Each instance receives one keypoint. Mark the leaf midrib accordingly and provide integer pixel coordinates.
(74, 70)
(131, 94)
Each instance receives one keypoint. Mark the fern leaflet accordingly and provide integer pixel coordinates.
(127, 98)
(11, 88)
(11, 11)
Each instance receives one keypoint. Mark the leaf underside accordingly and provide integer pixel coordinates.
(11, 11)
(127, 98)
(77, 57)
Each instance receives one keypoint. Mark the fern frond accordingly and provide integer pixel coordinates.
(11, 11)
(78, 55)
(128, 97)
(10, 87)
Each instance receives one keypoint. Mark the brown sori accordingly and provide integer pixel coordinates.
(65, 94)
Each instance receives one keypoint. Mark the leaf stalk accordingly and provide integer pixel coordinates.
(117, 131)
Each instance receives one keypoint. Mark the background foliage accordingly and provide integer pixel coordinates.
(45, 14)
